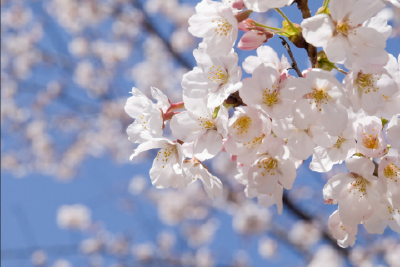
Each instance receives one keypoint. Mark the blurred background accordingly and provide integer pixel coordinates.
(69, 194)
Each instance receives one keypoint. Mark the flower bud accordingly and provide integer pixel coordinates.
(253, 39)
(243, 15)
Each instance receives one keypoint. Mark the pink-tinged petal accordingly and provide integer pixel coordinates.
(305, 112)
(296, 88)
(371, 102)
(360, 165)
(353, 207)
(379, 24)
(338, 49)
(267, 183)
(318, 29)
(208, 145)
(152, 144)
(222, 121)
(300, 145)
(251, 92)
(252, 40)
(283, 128)
(185, 128)
(266, 77)
(251, 63)
(333, 118)
(363, 10)
(162, 99)
(367, 42)
(163, 177)
(395, 223)
(387, 86)
(320, 137)
(212, 185)
(337, 186)
(195, 84)
(375, 225)
(288, 173)
(268, 55)
(320, 160)
(339, 9)
(275, 146)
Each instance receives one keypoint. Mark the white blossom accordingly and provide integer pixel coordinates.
(356, 192)
(214, 79)
(263, 92)
(198, 125)
(74, 217)
(216, 23)
(264, 5)
(267, 56)
(349, 32)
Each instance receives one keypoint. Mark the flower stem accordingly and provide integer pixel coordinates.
(287, 19)
(325, 5)
(276, 30)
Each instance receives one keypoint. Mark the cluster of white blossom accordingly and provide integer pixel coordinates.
(271, 122)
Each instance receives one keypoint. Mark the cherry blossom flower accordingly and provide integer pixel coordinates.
(253, 39)
(345, 234)
(393, 132)
(167, 166)
(389, 173)
(212, 184)
(266, 55)
(345, 146)
(370, 139)
(216, 23)
(301, 142)
(243, 126)
(265, 200)
(319, 98)
(264, 5)
(272, 167)
(355, 192)
(376, 224)
(198, 125)
(214, 78)
(263, 92)
(349, 32)
(148, 116)
(74, 216)
(368, 87)
(246, 151)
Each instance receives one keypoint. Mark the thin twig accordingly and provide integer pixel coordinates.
(294, 63)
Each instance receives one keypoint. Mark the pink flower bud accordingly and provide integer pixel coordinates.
(238, 4)
(253, 39)
(247, 25)
(233, 158)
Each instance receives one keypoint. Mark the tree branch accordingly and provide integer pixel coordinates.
(306, 217)
(311, 50)
(294, 63)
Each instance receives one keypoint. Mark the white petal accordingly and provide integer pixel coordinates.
(208, 145)
(318, 29)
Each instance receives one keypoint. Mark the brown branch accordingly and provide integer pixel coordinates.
(294, 63)
(306, 217)
(311, 50)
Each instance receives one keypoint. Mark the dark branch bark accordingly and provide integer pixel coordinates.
(306, 217)
(311, 50)
(152, 29)
(294, 63)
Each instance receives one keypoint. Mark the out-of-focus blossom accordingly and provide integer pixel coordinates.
(74, 217)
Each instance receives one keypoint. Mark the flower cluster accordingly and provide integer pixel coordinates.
(271, 122)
